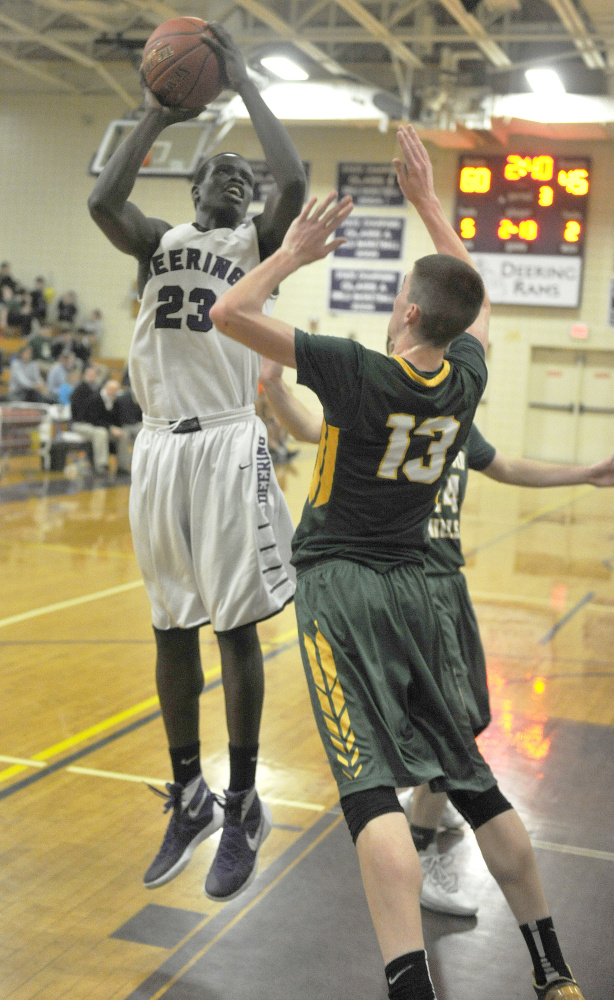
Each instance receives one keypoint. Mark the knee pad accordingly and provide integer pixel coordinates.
(478, 807)
(359, 808)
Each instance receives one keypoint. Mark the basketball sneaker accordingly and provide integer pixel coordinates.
(563, 988)
(440, 890)
(247, 823)
(451, 820)
(191, 823)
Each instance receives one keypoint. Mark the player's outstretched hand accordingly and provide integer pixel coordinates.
(270, 371)
(231, 62)
(414, 170)
(602, 474)
(307, 237)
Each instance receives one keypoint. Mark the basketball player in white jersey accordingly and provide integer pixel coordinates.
(210, 526)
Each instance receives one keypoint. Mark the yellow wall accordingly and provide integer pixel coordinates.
(45, 151)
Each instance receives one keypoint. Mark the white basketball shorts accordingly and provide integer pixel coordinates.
(210, 526)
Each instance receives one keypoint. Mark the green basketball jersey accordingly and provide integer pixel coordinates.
(444, 554)
(389, 435)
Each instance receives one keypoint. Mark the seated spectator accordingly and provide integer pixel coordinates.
(41, 343)
(93, 417)
(6, 298)
(26, 384)
(60, 372)
(6, 278)
(39, 301)
(20, 313)
(128, 414)
(67, 312)
(81, 346)
(91, 329)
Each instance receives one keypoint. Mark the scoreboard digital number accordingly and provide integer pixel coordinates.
(523, 220)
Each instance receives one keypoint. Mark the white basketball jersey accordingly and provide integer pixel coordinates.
(180, 365)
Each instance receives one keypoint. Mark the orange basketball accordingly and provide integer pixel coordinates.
(181, 69)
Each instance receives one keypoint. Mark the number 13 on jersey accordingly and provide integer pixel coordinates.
(442, 430)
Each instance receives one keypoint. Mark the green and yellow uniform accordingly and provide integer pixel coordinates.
(371, 644)
(448, 587)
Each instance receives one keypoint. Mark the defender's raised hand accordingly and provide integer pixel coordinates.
(231, 62)
(307, 237)
(414, 171)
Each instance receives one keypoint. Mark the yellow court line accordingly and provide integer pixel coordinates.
(114, 774)
(584, 852)
(85, 734)
(72, 603)
(293, 804)
(114, 720)
(203, 951)
(21, 760)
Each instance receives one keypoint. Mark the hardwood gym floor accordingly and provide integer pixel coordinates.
(81, 734)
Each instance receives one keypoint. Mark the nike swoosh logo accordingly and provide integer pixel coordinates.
(190, 759)
(193, 811)
(393, 979)
(254, 842)
(245, 466)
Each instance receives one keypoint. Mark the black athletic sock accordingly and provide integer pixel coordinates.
(243, 761)
(186, 762)
(408, 977)
(545, 951)
(423, 836)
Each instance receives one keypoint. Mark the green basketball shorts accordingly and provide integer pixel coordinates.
(386, 707)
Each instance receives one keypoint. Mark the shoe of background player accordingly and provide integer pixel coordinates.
(191, 823)
(563, 988)
(247, 823)
(451, 820)
(440, 891)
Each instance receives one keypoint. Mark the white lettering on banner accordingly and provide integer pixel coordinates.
(533, 281)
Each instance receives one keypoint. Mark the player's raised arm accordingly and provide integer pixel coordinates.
(296, 418)
(238, 313)
(529, 472)
(415, 175)
(121, 221)
(286, 198)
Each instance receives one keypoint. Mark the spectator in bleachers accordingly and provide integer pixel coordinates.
(60, 372)
(39, 302)
(6, 278)
(20, 315)
(92, 328)
(67, 312)
(128, 414)
(6, 298)
(26, 383)
(41, 342)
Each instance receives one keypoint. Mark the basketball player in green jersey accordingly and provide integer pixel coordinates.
(370, 641)
(426, 810)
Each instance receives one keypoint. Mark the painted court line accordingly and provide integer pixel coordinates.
(116, 775)
(550, 634)
(72, 603)
(583, 852)
(22, 761)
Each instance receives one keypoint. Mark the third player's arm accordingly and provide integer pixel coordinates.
(529, 472)
(415, 175)
(301, 423)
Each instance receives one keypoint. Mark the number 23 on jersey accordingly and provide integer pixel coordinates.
(442, 430)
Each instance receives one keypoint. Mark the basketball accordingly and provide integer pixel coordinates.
(178, 67)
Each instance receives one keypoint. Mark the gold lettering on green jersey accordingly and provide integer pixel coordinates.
(417, 470)
(324, 471)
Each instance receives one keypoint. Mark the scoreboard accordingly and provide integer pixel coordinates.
(523, 220)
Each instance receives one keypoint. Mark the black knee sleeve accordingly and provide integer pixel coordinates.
(359, 808)
(478, 807)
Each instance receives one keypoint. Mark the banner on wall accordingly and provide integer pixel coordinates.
(533, 280)
(372, 184)
(371, 237)
(358, 291)
(264, 180)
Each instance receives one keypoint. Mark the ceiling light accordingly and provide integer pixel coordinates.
(545, 82)
(284, 68)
